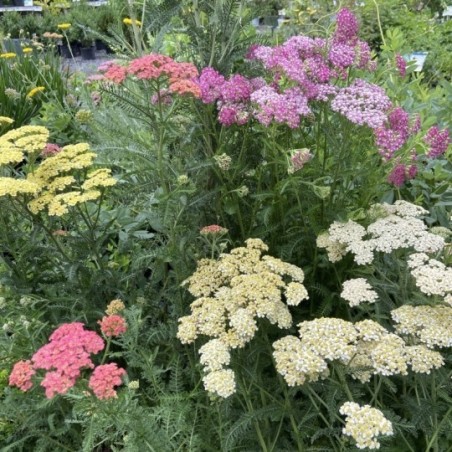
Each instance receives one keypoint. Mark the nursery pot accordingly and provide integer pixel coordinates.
(100, 45)
(88, 53)
(64, 51)
(75, 46)
(13, 45)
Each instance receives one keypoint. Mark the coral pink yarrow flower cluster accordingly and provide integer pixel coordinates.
(179, 76)
(21, 375)
(113, 325)
(67, 352)
(104, 379)
(213, 229)
(64, 357)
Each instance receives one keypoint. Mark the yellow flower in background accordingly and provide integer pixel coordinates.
(5, 120)
(27, 50)
(64, 26)
(7, 55)
(129, 21)
(35, 91)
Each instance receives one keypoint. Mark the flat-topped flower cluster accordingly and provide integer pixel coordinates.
(67, 354)
(365, 347)
(54, 181)
(173, 77)
(232, 293)
(397, 227)
(364, 424)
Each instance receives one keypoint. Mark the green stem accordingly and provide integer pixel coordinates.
(107, 349)
(433, 439)
(379, 23)
(251, 410)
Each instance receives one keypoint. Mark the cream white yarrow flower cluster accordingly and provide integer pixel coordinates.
(431, 325)
(400, 228)
(365, 347)
(232, 293)
(432, 276)
(357, 291)
(365, 424)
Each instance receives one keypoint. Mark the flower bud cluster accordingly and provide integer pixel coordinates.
(232, 293)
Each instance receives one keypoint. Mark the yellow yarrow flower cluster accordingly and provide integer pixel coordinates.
(7, 55)
(64, 26)
(27, 139)
(232, 293)
(35, 91)
(52, 176)
(15, 144)
(115, 307)
(128, 21)
(55, 183)
(13, 187)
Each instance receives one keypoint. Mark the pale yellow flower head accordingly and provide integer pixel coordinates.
(5, 120)
(34, 91)
(8, 55)
(129, 21)
(64, 26)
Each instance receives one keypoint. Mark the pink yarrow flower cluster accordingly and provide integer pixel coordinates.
(438, 140)
(213, 229)
(103, 380)
(302, 70)
(21, 375)
(66, 354)
(363, 103)
(286, 107)
(64, 357)
(50, 149)
(231, 95)
(394, 133)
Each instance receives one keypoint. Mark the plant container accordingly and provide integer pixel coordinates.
(88, 53)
